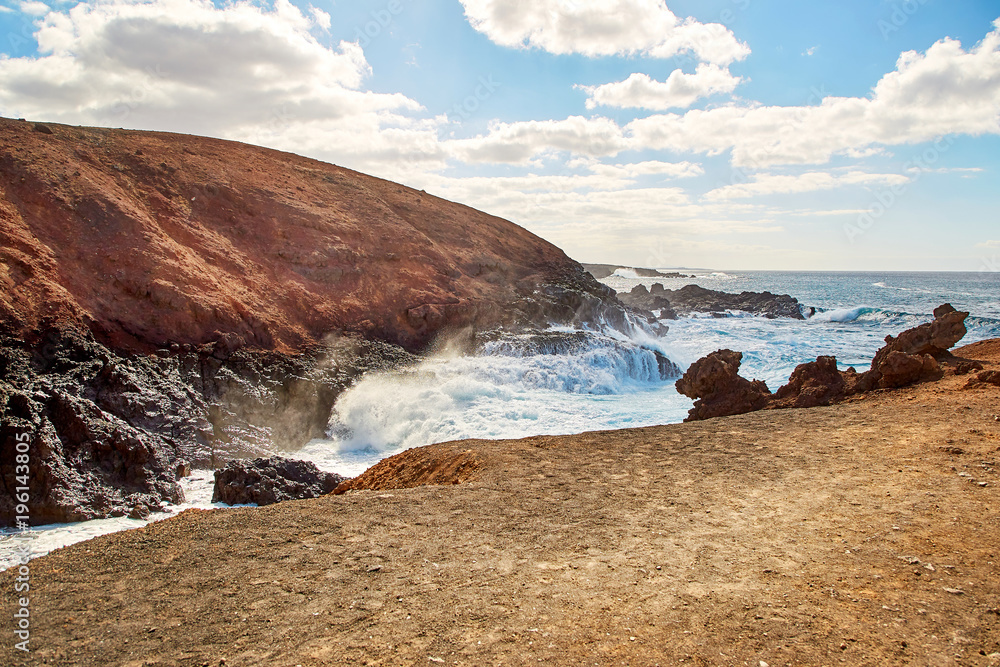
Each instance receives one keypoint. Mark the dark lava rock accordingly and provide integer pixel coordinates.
(695, 299)
(271, 480)
(715, 382)
(109, 434)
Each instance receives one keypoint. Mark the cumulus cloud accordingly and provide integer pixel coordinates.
(988, 244)
(34, 8)
(680, 90)
(770, 184)
(648, 168)
(523, 141)
(602, 28)
(947, 90)
(242, 71)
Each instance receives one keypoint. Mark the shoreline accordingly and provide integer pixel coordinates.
(815, 535)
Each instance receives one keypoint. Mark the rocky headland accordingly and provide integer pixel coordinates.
(169, 301)
(690, 299)
(600, 271)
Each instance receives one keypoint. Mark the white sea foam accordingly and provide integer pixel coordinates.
(838, 315)
(44, 539)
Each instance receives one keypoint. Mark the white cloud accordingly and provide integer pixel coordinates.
(680, 90)
(34, 8)
(965, 172)
(647, 168)
(321, 18)
(242, 72)
(520, 142)
(988, 244)
(770, 184)
(602, 28)
(945, 91)
(810, 51)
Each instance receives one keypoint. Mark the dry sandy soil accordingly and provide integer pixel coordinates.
(864, 533)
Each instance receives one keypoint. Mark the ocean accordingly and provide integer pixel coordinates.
(512, 388)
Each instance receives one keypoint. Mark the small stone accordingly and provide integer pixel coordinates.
(928, 566)
(763, 664)
(954, 591)
(982, 484)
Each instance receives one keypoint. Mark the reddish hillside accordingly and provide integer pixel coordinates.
(152, 238)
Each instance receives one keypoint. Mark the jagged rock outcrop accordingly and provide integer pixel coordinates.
(816, 383)
(715, 383)
(109, 433)
(651, 299)
(270, 480)
(911, 357)
(695, 299)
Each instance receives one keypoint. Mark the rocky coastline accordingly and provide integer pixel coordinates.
(916, 355)
(857, 533)
(170, 301)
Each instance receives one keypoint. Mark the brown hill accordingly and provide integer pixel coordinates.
(151, 238)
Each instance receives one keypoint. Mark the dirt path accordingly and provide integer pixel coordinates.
(822, 536)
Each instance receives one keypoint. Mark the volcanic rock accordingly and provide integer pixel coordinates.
(715, 382)
(600, 271)
(694, 299)
(816, 383)
(934, 338)
(271, 480)
(907, 359)
(109, 433)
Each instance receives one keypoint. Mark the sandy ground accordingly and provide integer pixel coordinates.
(862, 533)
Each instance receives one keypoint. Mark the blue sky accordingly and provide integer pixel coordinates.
(743, 134)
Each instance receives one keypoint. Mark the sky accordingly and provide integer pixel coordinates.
(728, 134)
